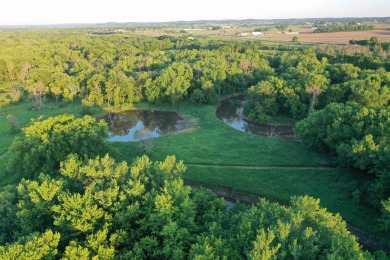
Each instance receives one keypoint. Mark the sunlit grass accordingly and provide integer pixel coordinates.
(209, 141)
(214, 142)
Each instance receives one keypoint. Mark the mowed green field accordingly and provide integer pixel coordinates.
(208, 140)
(218, 155)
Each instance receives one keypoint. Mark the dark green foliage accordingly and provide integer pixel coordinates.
(262, 100)
(8, 208)
(358, 137)
(373, 42)
(198, 97)
(108, 210)
(335, 27)
(172, 84)
(385, 220)
(47, 142)
(356, 134)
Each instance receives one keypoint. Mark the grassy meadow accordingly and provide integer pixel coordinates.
(218, 155)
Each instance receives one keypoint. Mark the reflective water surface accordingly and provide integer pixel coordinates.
(139, 125)
(231, 113)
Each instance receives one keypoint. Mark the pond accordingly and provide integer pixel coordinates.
(231, 112)
(139, 125)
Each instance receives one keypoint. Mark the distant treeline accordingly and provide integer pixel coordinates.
(372, 43)
(323, 28)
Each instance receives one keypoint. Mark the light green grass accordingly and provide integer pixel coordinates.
(209, 141)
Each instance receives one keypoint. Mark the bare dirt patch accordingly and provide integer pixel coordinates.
(307, 36)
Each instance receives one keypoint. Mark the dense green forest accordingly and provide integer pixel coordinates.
(71, 199)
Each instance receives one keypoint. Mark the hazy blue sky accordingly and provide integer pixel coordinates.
(16, 12)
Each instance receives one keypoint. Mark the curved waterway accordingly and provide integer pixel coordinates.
(230, 111)
(137, 125)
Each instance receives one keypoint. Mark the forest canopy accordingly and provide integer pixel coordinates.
(104, 209)
(75, 200)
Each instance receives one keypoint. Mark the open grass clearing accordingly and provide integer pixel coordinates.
(215, 143)
(280, 168)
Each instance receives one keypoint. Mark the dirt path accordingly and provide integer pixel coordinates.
(259, 167)
(369, 241)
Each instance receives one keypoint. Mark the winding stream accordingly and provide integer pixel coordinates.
(231, 114)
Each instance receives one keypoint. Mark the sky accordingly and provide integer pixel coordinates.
(37, 12)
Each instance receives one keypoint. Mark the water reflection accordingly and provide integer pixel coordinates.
(231, 113)
(142, 124)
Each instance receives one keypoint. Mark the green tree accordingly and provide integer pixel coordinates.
(104, 209)
(262, 100)
(314, 88)
(37, 92)
(385, 219)
(8, 209)
(47, 142)
(37, 247)
(175, 80)
(370, 91)
(14, 124)
(70, 91)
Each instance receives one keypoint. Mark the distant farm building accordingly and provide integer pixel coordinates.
(257, 33)
(243, 34)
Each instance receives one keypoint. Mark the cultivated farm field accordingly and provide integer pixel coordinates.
(307, 36)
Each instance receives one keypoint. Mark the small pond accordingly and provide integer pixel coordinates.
(230, 111)
(139, 125)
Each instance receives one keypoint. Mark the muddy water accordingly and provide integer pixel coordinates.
(231, 113)
(139, 125)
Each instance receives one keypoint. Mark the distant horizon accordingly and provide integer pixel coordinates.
(47, 12)
(199, 20)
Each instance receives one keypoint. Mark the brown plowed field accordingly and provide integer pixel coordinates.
(335, 37)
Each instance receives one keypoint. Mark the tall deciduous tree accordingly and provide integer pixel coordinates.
(315, 87)
(37, 247)
(46, 142)
(37, 92)
(107, 210)
(175, 80)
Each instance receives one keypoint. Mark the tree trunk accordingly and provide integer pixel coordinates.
(312, 102)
